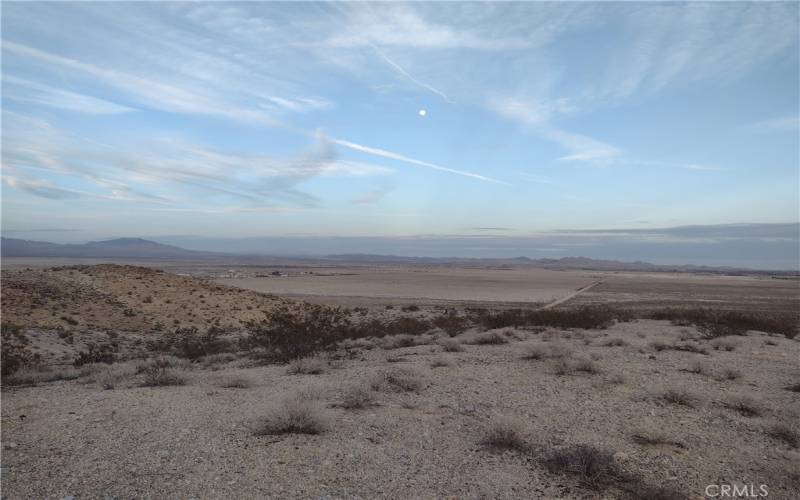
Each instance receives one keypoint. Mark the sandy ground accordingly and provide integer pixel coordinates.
(423, 285)
(74, 439)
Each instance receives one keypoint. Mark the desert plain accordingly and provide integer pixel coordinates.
(167, 379)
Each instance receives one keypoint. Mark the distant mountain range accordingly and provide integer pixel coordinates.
(138, 248)
(118, 248)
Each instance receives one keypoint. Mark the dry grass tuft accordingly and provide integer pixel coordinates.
(785, 433)
(397, 380)
(725, 343)
(731, 374)
(236, 382)
(653, 437)
(698, 367)
(306, 366)
(538, 352)
(160, 373)
(593, 468)
(679, 397)
(489, 338)
(745, 405)
(451, 345)
(357, 397)
(440, 361)
(295, 415)
(505, 433)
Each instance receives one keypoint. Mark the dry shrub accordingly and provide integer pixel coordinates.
(306, 366)
(785, 433)
(236, 382)
(15, 354)
(451, 345)
(440, 361)
(731, 374)
(35, 376)
(295, 415)
(489, 338)
(567, 366)
(505, 433)
(538, 352)
(356, 397)
(698, 368)
(451, 323)
(588, 317)
(615, 342)
(745, 405)
(652, 437)
(715, 323)
(726, 344)
(112, 376)
(398, 341)
(397, 380)
(679, 397)
(593, 468)
(159, 373)
(287, 334)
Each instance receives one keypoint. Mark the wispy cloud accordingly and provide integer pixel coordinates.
(780, 124)
(371, 197)
(20, 89)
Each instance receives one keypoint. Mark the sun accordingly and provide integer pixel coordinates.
(423, 112)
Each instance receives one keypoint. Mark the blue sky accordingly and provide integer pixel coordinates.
(270, 119)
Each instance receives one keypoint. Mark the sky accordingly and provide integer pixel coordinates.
(400, 120)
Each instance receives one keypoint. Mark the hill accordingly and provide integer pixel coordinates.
(117, 248)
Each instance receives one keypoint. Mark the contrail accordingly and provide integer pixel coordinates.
(408, 75)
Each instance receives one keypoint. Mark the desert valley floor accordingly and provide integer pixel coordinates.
(448, 391)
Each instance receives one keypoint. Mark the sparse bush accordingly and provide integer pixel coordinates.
(398, 341)
(451, 345)
(679, 397)
(585, 366)
(159, 373)
(295, 415)
(440, 362)
(103, 353)
(236, 382)
(698, 368)
(451, 323)
(716, 323)
(588, 317)
(731, 374)
(652, 437)
(785, 433)
(615, 342)
(726, 344)
(287, 334)
(112, 376)
(411, 308)
(538, 352)
(489, 338)
(35, 376)
(356, 397)
(593, 468)
(188, 343)
(306, 366)
(745, 405)
(14, 354)
(505, 433)
(397, 380)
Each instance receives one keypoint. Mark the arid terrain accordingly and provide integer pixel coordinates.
(182, 381)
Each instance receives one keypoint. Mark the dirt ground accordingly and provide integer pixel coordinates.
(76, 440)
(670, 408)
